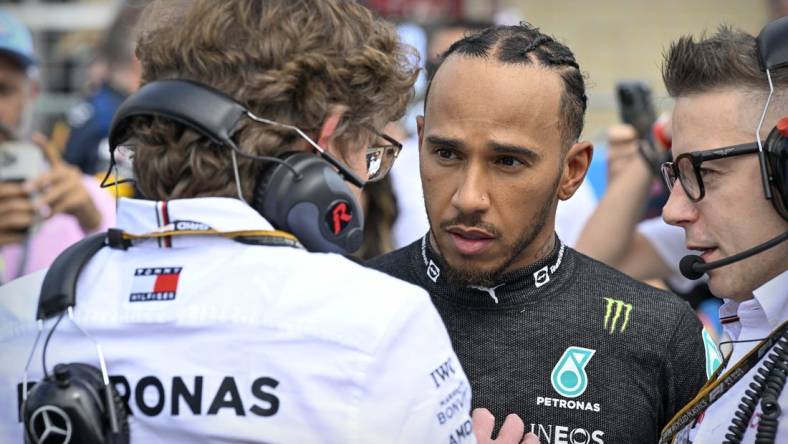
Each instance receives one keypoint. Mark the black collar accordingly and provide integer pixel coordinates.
(525, 285)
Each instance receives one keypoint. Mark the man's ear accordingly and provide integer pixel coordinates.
(576, 163)
(328, 129)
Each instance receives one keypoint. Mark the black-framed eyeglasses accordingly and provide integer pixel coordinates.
(686, 168)
(381, 156)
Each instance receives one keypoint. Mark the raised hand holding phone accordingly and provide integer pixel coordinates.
(20, 162)
(61, 189)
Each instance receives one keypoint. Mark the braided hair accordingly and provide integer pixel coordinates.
(526, 45)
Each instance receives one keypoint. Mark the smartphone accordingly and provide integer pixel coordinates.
(636, 106)
(20, 161)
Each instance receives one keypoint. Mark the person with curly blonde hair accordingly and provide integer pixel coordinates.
(210, 334)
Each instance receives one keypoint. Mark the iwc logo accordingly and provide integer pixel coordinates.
(569, 376)
(50, 424)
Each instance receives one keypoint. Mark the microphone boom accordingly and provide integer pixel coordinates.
(693, 266)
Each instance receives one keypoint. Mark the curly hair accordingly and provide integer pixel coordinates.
(291, 61)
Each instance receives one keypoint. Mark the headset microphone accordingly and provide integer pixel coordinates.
(693, 266)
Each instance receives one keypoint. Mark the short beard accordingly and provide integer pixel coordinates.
(488, 278)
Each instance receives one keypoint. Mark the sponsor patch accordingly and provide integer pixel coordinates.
(433, 272)
(155, 284)
(190, 225)
(613, 315)
(569, 376)
(560, 434)
(713, 358)
(541, 277)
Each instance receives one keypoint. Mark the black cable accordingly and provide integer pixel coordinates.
(116, 182)
(770, 404)
(727, 358)
(766, 378)
(739, 342)
(46, 344)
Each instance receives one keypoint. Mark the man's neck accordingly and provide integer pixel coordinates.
(546, 248)
(524, 259)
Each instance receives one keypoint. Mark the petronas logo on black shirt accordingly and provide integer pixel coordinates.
(569, 376)
(616, 307)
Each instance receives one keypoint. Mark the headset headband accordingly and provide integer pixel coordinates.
(197, 106)
(772, 44)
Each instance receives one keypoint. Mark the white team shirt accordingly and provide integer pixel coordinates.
(752, 319)
(211, 340)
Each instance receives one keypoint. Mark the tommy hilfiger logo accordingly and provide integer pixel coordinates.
(154, 284)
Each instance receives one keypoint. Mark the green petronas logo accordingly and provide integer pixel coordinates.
(569, 376)
(713, 358)
(615, 307)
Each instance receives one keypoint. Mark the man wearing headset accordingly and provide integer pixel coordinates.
(717, 197)
(215, 323)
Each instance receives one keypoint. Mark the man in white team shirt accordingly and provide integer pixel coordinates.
(718, 199)
(210, 339)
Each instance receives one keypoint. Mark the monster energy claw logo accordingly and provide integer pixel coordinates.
(615, 307)
(569, 374)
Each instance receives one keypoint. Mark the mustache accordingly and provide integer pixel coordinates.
(471, 220)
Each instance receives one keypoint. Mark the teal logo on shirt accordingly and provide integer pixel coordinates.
(713, 358)
(569, 376)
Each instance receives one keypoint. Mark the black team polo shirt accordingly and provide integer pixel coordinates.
(581, 352)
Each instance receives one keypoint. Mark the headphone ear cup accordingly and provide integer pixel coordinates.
(262, 185)
(776, 152)
(313, 202)
(72, 400)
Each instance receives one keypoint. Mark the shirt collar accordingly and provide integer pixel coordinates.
(217, 213)
(773, 298)
(512, 289)
(769, 299)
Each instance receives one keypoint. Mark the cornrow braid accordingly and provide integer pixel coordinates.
(536, 43)
(525, 44)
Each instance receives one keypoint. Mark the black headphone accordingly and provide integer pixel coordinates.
(302, 193)
(775, 150)
(772, 44)
(76, 403)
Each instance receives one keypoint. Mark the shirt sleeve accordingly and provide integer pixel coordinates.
(685, 371)
(416, 390)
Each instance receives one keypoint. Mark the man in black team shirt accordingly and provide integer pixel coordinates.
(581, 352)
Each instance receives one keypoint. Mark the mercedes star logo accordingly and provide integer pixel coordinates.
(51, 422)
